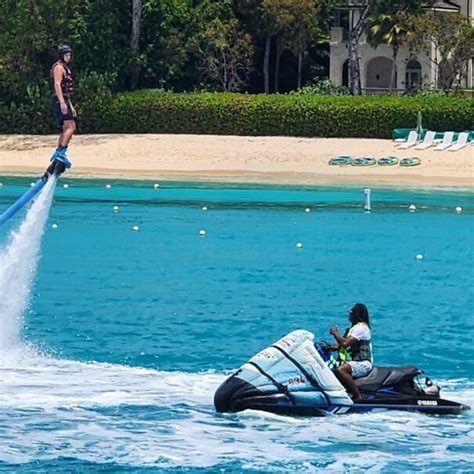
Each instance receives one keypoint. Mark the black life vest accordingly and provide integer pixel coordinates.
(67, 82)
(360, 350)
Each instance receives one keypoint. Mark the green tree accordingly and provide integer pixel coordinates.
(304, 29)
(284, 18)
(99, 35)
(452, 36)
(166, 45)
(30, 32)
(225, 53)
(286, 24)
(274, 16)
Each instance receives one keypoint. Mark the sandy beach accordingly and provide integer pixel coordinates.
(289, 160)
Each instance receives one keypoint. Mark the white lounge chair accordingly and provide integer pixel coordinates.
(461, 142)
(427, 141)
(446, 143)
(411, 141)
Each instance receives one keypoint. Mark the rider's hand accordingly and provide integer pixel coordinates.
(333, 331)
(63, 108)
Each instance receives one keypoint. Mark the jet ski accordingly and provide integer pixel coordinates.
(292, 378)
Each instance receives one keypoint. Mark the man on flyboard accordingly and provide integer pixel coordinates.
(62, 88)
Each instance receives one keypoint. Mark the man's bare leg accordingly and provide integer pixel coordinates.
(69, 128)
(58, 165)
(344, 375)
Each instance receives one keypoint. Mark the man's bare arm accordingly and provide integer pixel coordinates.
(58, 78)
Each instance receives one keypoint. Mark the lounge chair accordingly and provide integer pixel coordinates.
(446, 143)
(461, 142)
(427, 142)
(411, 141)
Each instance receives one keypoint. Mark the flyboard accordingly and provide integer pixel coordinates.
(56, 168)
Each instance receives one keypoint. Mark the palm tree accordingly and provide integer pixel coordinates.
(393, 30)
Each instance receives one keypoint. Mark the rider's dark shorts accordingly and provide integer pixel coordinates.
(60, 117)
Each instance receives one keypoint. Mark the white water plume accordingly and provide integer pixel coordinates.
(18, 263)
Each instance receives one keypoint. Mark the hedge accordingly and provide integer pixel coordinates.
(242, 114)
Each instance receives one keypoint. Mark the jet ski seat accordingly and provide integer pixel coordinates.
(380, 377)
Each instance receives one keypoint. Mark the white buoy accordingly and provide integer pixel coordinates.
(419, 256)
(54, 226)
(66, 186)
(458, 210)
(135, 228)
(1, 184)
(367, 203)
(412, 208)
(307, 209)
(32, 184)
(202, 232)
(156, 185)
(299, 245)
(108, 186)
(116, 209)
(204, 208)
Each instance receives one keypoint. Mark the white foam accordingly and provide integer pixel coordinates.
(18, 262)
(29, 380)
(102, 412)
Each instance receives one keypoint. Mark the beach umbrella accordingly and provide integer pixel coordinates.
(419, 125)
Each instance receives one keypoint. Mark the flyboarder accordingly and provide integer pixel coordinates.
(62, 88)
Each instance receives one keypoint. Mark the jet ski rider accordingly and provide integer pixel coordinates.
(354, 350)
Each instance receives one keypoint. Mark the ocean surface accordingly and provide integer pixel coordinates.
(113, 341)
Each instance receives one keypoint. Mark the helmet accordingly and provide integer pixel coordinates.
(62, 50)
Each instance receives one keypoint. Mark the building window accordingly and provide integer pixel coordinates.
(413, 76)
(342, 20)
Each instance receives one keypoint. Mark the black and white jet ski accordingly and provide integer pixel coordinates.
(291, 377)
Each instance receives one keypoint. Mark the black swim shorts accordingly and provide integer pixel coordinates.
(60, 117)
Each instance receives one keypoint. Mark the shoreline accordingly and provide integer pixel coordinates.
(230, 159)
(257, 179)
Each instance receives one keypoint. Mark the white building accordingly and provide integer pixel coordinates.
(376, 63)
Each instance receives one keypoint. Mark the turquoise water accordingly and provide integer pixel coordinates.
(129, 333)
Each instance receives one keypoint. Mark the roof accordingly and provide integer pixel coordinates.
(439, 5)
(445, 6)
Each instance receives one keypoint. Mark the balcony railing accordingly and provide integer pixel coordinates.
(341, 35)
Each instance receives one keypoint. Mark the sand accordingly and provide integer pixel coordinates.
(289, 160)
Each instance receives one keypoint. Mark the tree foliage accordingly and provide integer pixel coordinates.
(189, 45)
(168, 44)
(453, 39)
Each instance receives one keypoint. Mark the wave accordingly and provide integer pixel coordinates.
(31, 379)
(100, 413)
